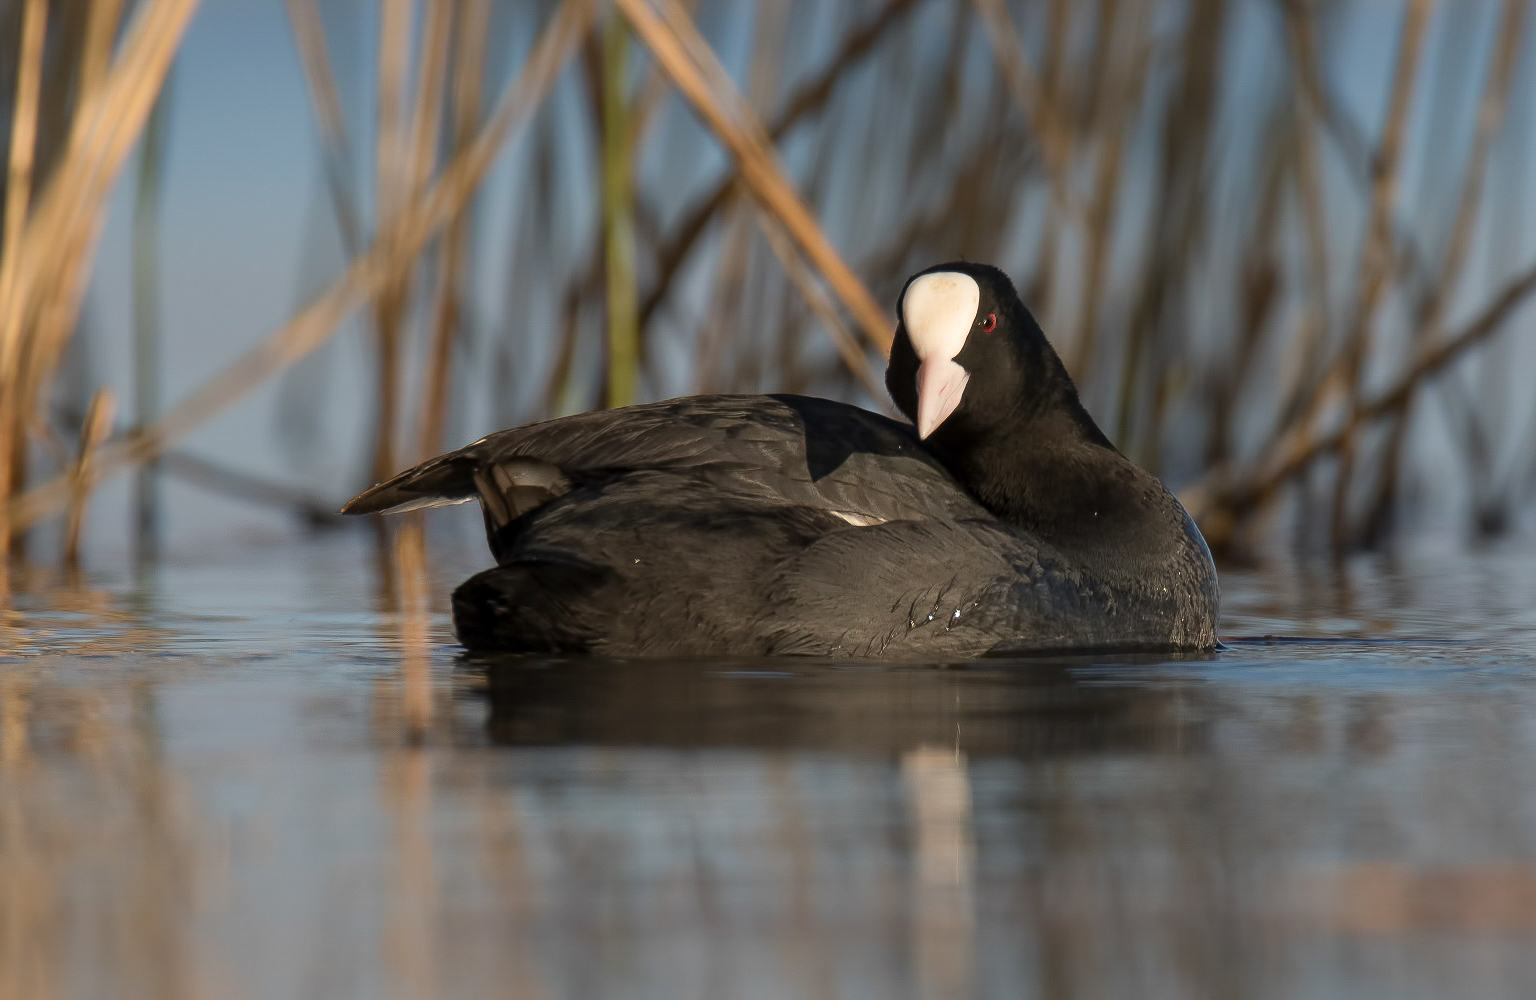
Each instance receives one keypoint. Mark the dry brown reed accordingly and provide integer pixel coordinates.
(50, 239)
(1375, 263)
(809, 99)
(241, 484)
(82, 475)
(309, 38)
(306, 331)
(1433, 302)
(471, 37)
(1302, 448)
(848, 346)
(1175, 282)
(391, 190)
(58, 244)
(410, 556)
(671, 36)
(1041, 117)
(18, 191)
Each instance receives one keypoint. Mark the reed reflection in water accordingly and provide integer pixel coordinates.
(209, 803)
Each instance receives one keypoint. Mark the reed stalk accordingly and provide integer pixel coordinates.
(1044, 121)
(100, 32)
(618, 216)
(468, 82)
(147, 324)
(1304, 448)
(309, 37)
(672, 38)
(60, 234)
(854, 356)
(315, 323)
(804, 102)
(1175, 233)
(18, 190)
(1309, 192)
(82, 475)
(53, 251)
(1375, 264)
(391, 183)
(736, 218)
(409, 555)
(242, 485)
(1101, 212)
(1100, 140)
(1490, 116)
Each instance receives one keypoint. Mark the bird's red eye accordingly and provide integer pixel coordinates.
(990, 323)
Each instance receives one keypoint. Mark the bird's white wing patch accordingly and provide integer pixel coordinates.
(422, 503)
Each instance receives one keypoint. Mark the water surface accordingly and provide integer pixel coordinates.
(210, 785)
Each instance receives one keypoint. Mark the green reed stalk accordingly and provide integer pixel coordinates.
(619, 218)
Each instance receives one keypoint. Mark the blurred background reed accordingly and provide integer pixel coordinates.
(275, 252)
(256, 255)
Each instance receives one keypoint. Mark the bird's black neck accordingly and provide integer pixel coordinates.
(1054, 474)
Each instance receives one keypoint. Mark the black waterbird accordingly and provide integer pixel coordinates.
(1004, 520)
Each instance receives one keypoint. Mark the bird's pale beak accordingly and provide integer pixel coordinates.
(940, 384)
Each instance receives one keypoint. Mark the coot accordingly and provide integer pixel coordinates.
(1004, 520)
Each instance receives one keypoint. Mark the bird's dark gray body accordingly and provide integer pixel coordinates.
(782, 524)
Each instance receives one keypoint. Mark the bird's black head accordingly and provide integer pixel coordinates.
(968, 360)
(994, 404)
